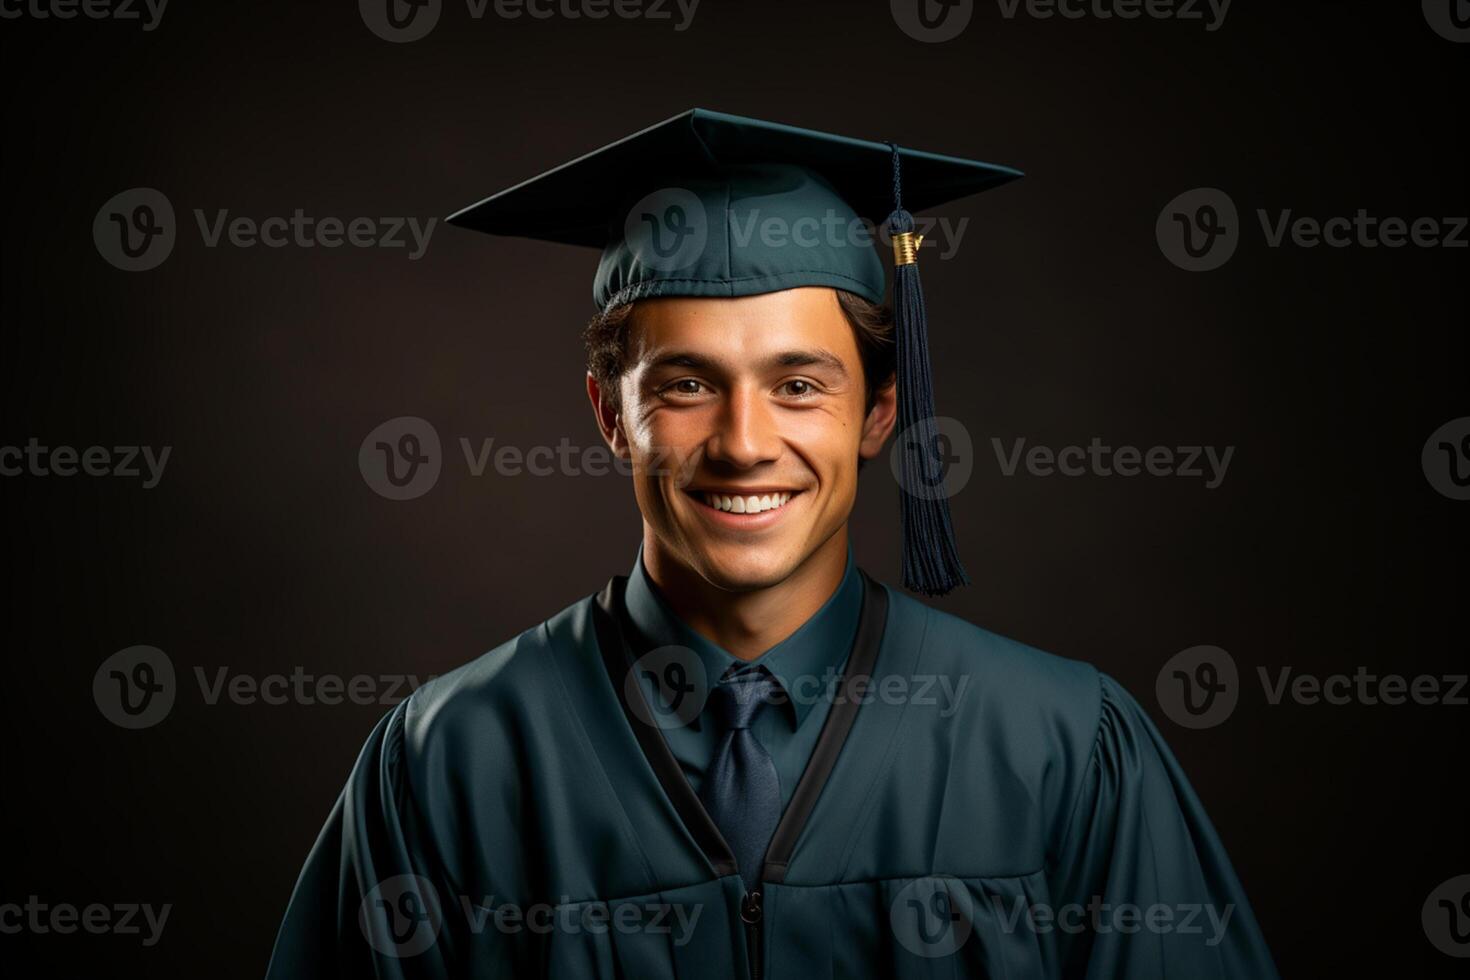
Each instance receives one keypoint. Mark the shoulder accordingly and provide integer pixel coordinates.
(1016, 722)
(504, 689)
(1004, 678)
(999, 699)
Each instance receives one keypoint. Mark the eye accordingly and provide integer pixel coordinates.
(797, 388)
(683, 388)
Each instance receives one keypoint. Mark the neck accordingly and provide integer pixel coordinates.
(747, 623)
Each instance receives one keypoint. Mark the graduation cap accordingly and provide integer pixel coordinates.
(710, 204)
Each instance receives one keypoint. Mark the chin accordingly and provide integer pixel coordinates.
(744, 569)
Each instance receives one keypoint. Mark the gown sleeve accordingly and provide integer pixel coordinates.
(1143, 889)
(368, 902)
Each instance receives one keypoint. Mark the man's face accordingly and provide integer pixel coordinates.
(745, 420)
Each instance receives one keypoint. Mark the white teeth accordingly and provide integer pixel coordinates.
(746, 505)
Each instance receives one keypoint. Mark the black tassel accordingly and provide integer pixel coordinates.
(931, 561)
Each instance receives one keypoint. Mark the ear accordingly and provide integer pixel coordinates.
(609, 422)
(878, 426)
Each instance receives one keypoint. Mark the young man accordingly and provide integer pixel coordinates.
(746, 758)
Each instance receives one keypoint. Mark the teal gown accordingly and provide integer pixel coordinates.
(519, 818)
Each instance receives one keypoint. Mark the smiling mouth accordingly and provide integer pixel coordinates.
(758, 503)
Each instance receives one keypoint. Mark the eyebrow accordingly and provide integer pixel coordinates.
(814, 356)
(791, 358)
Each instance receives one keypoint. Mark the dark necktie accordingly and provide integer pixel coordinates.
(741, 791)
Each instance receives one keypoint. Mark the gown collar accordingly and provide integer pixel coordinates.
(805, 664)
(612, 628)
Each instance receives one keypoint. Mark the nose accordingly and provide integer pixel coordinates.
(745, 432)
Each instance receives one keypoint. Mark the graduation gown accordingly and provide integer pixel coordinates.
(515, 818)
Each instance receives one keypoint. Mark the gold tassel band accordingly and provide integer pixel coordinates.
(906, 248)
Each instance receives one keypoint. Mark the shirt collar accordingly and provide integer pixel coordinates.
(805, 663)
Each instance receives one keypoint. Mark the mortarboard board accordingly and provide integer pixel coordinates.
(710, 204)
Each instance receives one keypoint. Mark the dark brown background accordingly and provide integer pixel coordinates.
(1059, 320)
